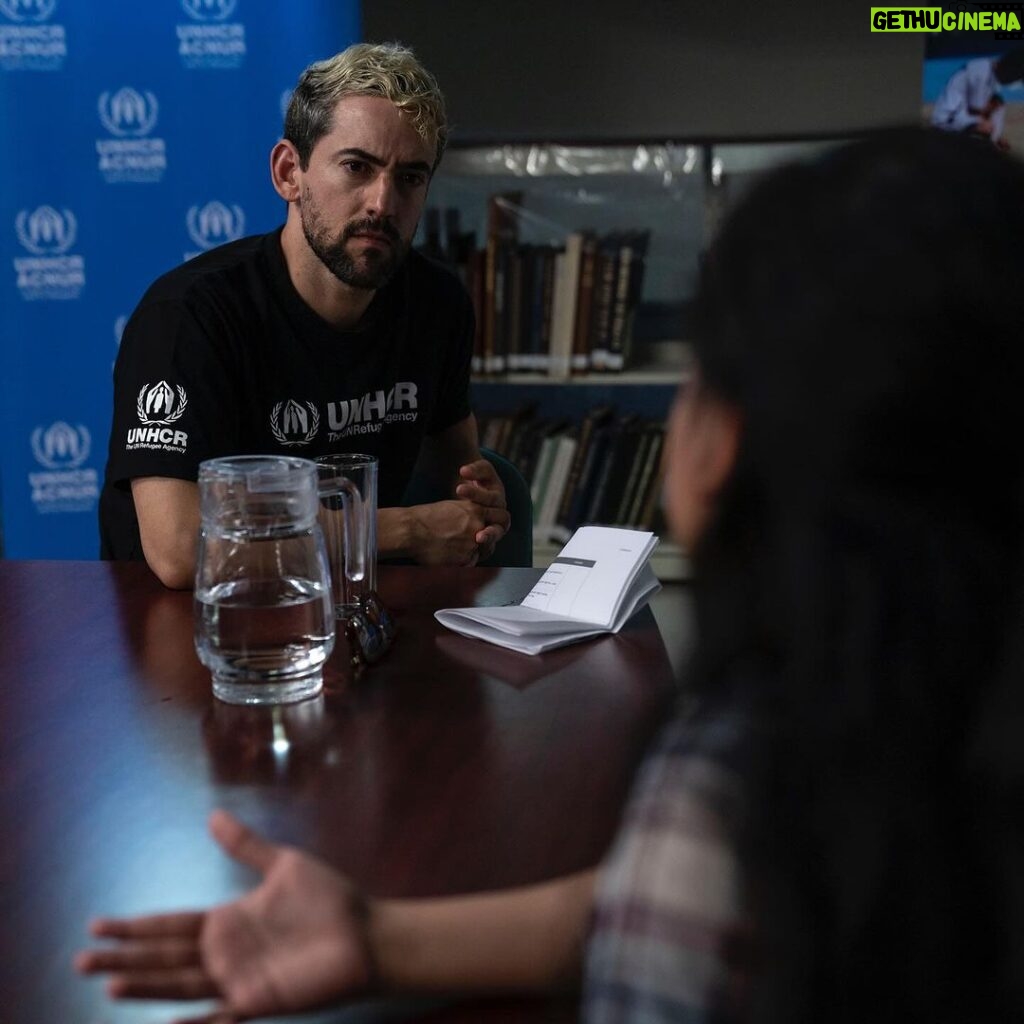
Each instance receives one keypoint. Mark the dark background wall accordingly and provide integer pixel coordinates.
(602, 69)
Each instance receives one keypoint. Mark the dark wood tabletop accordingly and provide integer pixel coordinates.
(450, 766)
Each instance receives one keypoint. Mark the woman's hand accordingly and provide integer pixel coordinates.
(299, 939)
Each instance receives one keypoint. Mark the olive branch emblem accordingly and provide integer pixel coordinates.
(172, 417)
(282, 438)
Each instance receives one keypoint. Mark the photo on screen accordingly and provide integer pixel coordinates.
(972, 83)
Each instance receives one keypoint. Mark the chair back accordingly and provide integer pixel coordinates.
(516, 547)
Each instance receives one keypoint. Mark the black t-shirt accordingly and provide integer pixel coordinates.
(223, 357)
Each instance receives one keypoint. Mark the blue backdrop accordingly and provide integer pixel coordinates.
(137, 134)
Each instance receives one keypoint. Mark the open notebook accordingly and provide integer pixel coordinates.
(599, 579)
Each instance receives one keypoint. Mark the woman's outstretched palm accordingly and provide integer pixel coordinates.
(295, 941)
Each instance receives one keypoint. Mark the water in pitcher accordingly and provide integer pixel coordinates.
(264, 639)
(264, 622)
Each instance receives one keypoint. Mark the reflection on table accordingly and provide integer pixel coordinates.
(451, 766)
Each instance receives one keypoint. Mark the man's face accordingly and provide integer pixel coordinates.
(362, 195)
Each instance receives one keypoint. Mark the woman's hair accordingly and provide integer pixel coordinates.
(389, 70)
(860, 586)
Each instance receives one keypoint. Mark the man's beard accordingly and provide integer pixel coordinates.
(371, 269)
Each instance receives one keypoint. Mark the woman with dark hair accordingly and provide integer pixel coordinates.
(833, 831)
(858, 573)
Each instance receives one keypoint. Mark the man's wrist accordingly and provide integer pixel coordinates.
(396, 532)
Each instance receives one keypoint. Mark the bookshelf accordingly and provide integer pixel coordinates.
(579, 261)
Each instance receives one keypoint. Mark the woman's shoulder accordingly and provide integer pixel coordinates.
(669, 925)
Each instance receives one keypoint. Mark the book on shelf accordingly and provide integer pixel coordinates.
(557, 481)
(517, 435)
(590, 475)
(531, 304)
(541, 330)
(490, 265)
(522, 419)
(564, 305)
(539, 481)
(603, 300)
(508, 428)
(610, 469)
(627, 494)
(629, 274)
(648, 490)
(620, 498)
(581, 342)
(615, 480)
(597, 416)
(500, 262)
(503, 215)
(546, 452)
(519, 299)
(500, 255)
(527, 443)
(650, 513)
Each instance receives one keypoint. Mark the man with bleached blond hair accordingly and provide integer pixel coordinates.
(327, 335)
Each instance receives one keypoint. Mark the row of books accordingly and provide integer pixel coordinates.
(556, 310)
(603, 470)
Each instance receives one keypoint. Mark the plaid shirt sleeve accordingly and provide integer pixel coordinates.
(667, 934)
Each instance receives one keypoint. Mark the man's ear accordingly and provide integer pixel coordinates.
(285, 172)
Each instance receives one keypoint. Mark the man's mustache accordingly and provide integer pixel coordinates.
(382, 227)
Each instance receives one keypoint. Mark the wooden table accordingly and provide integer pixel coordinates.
(451, 766)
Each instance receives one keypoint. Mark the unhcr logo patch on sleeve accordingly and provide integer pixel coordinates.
(159, 406)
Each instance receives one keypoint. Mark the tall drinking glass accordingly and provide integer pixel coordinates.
(348, 519)
(264, 621)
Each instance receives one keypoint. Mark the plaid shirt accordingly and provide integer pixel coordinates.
(667, 933)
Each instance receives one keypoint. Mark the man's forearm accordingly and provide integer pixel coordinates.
(168, 515)
(173, 563)
(395, 533)
(522, 940)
